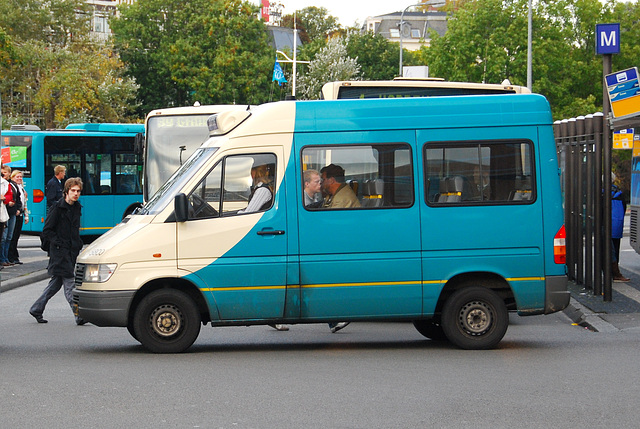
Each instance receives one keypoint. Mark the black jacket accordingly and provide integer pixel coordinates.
(61, 236)
(53, 192)
(16, 199)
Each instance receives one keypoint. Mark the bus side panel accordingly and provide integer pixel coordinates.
(37, 211)
(358, 262)
(502, 238)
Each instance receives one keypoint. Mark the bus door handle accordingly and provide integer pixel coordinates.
(271, 232)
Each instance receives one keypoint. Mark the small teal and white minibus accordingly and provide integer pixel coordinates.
(455, 219)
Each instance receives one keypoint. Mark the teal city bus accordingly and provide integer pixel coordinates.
(102, 155)
(455, 220)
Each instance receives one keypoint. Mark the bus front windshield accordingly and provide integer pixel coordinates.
(170, 141)
(167, 192)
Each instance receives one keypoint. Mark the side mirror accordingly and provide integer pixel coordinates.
(181, 207)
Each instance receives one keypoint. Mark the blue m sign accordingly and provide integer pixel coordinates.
(607, 39)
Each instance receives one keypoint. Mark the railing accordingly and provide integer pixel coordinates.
(579, 143)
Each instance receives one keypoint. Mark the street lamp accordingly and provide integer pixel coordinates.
(529, 53)
(434, 3)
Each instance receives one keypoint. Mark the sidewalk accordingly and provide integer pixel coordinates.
(33, 269)
(621, 314)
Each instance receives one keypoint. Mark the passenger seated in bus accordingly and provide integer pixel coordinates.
(312, 189)
(481, 183)
(339, 194)
(261, 190)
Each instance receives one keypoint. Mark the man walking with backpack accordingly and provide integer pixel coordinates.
(61, 239)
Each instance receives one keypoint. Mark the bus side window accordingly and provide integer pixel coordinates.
(479, 172)
(380, 175)
(228, 189)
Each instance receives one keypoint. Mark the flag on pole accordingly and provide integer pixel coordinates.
(278, 74)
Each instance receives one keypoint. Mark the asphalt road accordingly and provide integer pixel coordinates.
(546, 373)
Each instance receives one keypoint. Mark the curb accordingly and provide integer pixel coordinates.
(24, 280)
(583, 316)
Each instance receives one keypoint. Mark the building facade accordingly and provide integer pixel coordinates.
(415, 30)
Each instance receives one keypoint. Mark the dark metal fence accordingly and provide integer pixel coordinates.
(580, 143)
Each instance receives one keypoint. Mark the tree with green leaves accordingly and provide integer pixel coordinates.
(53, 73)
(214, 52)
(313, 24)
(330, 64)
(377, 57)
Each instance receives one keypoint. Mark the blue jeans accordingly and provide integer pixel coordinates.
(7, 235)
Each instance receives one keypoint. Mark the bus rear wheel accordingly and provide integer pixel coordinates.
(475, 318)
(166, 321)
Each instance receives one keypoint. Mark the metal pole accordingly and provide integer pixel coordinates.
(295, 48)
(606, 167)
(579, 201)
(529, 49)
(432, 3)
(597, 206)
(588, 247)
(572, 235)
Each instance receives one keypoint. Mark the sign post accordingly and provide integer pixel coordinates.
(607, 44)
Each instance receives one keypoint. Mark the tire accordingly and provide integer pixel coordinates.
(166, 321)
(430, 329)
(132, 332)
(475, 318)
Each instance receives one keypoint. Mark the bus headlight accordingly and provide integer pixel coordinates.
(98, 273)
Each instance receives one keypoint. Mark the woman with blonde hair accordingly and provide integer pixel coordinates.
(22, 217)
(261, 191)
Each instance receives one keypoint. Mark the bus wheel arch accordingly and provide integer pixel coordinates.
(473, 310)
(188, 295)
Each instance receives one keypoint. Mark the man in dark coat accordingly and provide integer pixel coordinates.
(61, 238)
(53, 190)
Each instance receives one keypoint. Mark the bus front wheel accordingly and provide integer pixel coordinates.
(166, 321)
(475, 318)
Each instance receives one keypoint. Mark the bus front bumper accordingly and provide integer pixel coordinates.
(109, 308)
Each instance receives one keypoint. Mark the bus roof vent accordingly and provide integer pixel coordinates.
(24, 127)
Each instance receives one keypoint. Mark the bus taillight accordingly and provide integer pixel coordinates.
(560, 247)
(38, 195)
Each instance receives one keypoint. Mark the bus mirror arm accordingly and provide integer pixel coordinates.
(181, 207)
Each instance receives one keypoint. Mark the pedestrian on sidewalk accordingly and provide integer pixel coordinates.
(618, 209)
(22, 217)
(4, 215)
(61, 239)
(13, 205)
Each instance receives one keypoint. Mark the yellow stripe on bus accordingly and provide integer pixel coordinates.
(329, 285)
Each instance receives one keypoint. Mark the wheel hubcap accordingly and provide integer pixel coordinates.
(166, 320)
(476, 317)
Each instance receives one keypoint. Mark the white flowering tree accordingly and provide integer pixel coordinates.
(331, 63)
